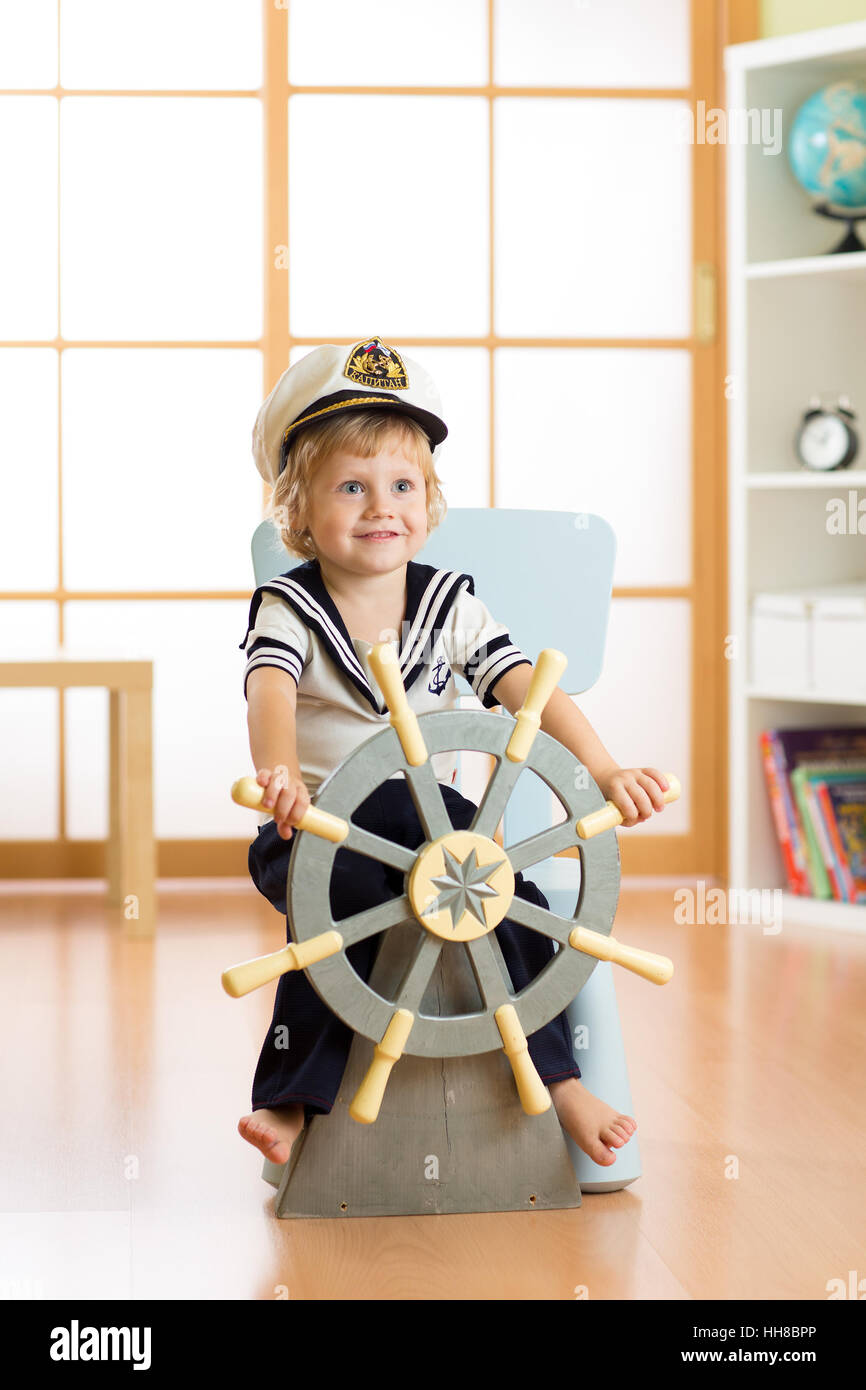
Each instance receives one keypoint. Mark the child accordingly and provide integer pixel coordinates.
(349, 441)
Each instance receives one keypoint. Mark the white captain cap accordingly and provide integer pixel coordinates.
(329, 379)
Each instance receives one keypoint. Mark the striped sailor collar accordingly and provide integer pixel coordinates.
(430, 595)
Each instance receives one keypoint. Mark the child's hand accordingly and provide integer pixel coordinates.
(286, 797)
(635, 791)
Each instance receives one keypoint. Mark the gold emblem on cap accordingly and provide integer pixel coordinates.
(371, 363)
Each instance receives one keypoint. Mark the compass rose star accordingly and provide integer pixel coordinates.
(463, 887)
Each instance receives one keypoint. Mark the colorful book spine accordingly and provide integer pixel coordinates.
(797, 836)
(817, 873)
(793, 871)
(830, 864)
(848, 798)
(846, 882)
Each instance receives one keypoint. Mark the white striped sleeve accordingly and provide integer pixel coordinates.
(278, 638)
(480, 648)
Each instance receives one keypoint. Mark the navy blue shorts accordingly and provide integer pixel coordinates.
(310, 1069)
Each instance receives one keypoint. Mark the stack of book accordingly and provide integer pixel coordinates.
(816, 779)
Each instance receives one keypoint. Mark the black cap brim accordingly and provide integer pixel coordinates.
(325, 407)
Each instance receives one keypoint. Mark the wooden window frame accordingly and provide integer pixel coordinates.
(714, 23)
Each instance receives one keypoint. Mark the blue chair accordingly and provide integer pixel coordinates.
(547, 576)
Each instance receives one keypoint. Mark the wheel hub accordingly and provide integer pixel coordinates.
(461, 886)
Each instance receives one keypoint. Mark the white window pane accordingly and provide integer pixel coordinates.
(395, 237)
(168, 245)
(463, 378)
(614, 438)
(577, 43)
(462, 375)
(593, 218)
(28, 449)
(28, 239)
(29, 807)
(28, 43)
(340, 43)
(159, 487)
(648, 645)
(181, 44)
(199, 715)
(28, 627)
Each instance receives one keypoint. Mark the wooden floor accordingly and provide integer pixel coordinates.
(125, 1070)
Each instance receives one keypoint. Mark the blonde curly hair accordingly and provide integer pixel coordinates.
(355, 432)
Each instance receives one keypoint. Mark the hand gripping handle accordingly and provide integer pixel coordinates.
(610, 814)
(247, 792)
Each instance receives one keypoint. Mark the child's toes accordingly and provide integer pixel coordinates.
(613, 1136)
(622, 1128)
(599, 1154)
(248, 1129)
(277, 1151)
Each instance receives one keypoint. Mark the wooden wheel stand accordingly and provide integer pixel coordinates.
(445, 1133)
(451, 1135)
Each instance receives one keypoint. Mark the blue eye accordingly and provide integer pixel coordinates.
(405, 485)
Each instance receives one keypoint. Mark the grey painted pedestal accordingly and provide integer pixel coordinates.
(451, 1135)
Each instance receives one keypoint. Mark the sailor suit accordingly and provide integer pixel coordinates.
(295, 626)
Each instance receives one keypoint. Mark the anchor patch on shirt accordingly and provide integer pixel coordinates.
(441, 675)
(371, 363)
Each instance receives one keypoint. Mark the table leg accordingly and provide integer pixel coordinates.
(131, 848)
(113, 849)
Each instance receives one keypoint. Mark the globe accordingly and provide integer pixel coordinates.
(827, 145)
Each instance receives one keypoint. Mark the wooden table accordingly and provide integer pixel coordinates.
(131, 848)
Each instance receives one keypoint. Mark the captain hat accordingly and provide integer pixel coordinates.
(330, 379)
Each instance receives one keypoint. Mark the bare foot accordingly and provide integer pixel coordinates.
(273, 1132)
(593, 1124)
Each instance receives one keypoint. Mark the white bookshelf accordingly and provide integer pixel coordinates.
(796, 328)
(848, 477)
(847, 268)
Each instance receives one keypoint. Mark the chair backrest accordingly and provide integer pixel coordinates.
(546, 575)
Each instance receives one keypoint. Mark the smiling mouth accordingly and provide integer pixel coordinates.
(379, 535)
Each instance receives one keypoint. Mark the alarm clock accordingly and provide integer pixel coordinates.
(826, 438)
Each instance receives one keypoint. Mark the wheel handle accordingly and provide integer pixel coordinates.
(250, 974)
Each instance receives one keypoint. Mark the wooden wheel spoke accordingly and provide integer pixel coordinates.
(417, 977)
(495, 797)
(488, 967)
(375, 847)
(539, 919)
(375, 919)
(428, 799)
(537, 847)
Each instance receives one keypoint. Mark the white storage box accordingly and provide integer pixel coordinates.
(781, 641)
(839, 639)
(810, 639)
